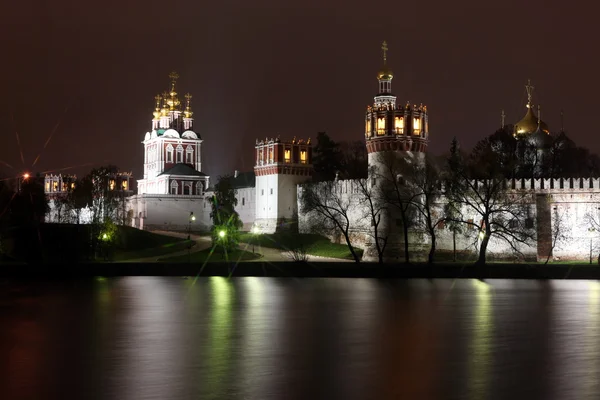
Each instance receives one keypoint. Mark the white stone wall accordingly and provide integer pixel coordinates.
(170, 212)
(576, 209)
(246, 206)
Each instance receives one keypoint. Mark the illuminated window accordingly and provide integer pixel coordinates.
(303, 156)
(270, 155)
(73, 185)
(111, 184)
(55, 186)
(180, 154)
(124, 185)
(381, 126)
(399, 125)
(368, 127)
(287, 155)
(169, 154)
(47, 186)
(416, 126)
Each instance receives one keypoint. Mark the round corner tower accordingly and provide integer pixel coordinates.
(402, 130)
(395, 135)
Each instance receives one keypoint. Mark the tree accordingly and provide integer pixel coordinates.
(478, 186)
(426, 181)
(354, 163)
(79, 197)
(394, 174)
(329, 210)
(29, 204)
(374, 209)
(559, 230)
(326, 158)
(226, 221)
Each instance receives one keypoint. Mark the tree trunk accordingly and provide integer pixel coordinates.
(432, 249)
(482, 250)
(454, 244)
(405, 231)
(354, 255)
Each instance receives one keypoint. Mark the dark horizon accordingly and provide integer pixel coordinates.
(270, 69)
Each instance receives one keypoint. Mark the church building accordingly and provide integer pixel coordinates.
(172, 194)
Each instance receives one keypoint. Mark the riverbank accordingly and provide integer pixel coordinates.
(305, 270)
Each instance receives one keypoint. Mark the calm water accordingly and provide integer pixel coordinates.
(257, 338)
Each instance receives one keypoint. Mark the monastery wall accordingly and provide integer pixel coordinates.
(170, 212)
(565, 217)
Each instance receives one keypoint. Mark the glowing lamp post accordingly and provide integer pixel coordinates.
(192, 219)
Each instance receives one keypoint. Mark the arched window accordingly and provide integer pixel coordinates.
(174, 187)
(169, 153)
(189, 155)
(199, 186)
(368, 127)
(179, 153)
(416, 126)
(381, 126)
(187, 188)
(399, 125)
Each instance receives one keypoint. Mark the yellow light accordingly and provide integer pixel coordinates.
(255, 230)
(222, 234)
(193, 217)
(25, 176)
(104, 236)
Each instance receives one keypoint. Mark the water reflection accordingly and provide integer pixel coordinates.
(481, 341)
(256, 338)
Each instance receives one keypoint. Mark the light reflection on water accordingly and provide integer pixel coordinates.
(262, 338)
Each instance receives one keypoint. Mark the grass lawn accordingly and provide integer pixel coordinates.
(215, 256)
(315, 245)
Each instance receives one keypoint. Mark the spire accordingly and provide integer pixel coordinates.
(173, 76)
(158, 99)
(529, 89)
(385, 49)
(502, 118)
(188, 105)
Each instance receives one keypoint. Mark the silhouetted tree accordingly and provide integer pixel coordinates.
(225, 218)
(374, 209)
(326, 158)
(329, 210)
(477, 186)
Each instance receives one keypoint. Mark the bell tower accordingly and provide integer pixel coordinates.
(280, 167)
(390, 127)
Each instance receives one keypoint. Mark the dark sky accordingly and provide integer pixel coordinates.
(266, 68)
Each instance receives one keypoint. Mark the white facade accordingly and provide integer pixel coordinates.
(246, 206)
(170, 212)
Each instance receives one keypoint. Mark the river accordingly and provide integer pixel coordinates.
(265, 338)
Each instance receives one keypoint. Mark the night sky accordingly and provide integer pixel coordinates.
(266, 68)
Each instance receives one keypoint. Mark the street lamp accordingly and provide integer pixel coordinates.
(192, 219)
(221, 234)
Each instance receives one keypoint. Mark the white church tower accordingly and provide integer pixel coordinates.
(172, 157)
(171, 195)
(280, 167)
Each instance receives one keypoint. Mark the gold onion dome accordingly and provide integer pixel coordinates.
(529, 124)
(385, 73)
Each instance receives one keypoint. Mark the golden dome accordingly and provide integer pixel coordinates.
(385, 73)
(529, 124)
